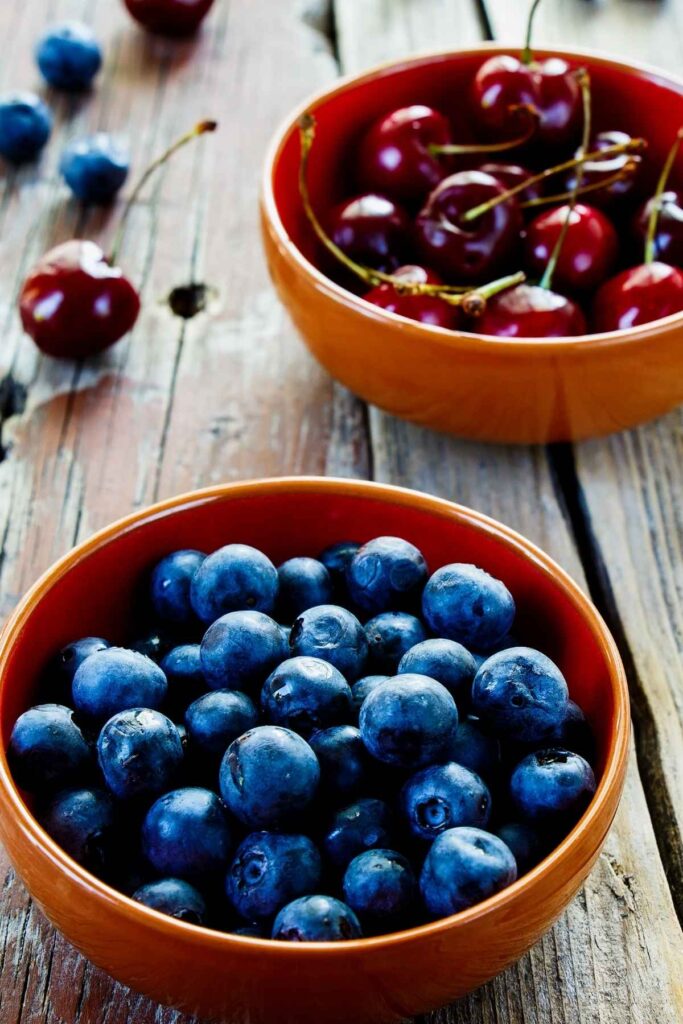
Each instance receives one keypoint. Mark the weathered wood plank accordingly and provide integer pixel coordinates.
(613, 955)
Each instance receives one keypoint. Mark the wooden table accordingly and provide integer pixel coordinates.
(232, 393)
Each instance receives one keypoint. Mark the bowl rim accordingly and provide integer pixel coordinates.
(510, 347)
(609, 785)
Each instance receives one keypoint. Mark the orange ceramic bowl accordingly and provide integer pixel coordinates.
(230, 978)
(492, 389)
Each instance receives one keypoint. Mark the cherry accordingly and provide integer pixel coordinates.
(372, 230)
(395, 158)
(531, 311)
(462, 251)
(426, 309)
(597, 170)
(510, 175)
(170, 17)
(76, 302)
(589, 250)
(668, 238)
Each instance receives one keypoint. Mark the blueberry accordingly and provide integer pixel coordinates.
(252, 931)
(462, 602)
(442, 797)
(386, 574)
(155, 644)
(47, 750)
(390, 635)
(174, 897)
(574, 732)
(361, 826)
(83, 822)
(25, 126)
(344, 763)
(186, 834)
(214, 720)
(336, 560)
(240, 650)
(316, 919)
(380, 887)
(140, 753)
(447, 661)
(62, 667)
(169, 586)
(524, 841)
(305, 694)
(268, 775)
(95, 167)
(363, 687)
(116, 679)
(520, 694)
(69, 56)
(333, 634)
(304, 583)
(408, 721)
(271, 869)
(474, 749)
(182, 667)
(234, 578)
(464, 866)
(552, 786)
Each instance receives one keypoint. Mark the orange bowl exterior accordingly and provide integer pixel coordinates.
(231, 978)
(491, 389)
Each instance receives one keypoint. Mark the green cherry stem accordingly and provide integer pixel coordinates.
(585, 190)
(656, 209)
(527, 55)
(199, 129)
(457, 149)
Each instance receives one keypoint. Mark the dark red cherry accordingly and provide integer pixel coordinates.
(426, 309)
(75, 304)
(465, 251)
(588, 252)
(637, 296)
(598, 170)
(372, 230)
(529, 311)
(668, 236)
(394, 157)
(170, 17)
(511, 175)
(504, 83)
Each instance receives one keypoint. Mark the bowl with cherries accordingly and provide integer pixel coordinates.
(488, 242)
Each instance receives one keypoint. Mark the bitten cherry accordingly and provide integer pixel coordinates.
(426, 309)
(170, 17)
(395, 157)
(588, 253)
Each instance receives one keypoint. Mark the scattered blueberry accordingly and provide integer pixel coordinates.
(475, 749)
(408, 721)
(169, 586)
(463, 603)
(304, 583)
(524, 841)
(380, 887)
(552, 785)
(116, 679)
(186, 834)
(444, 796)
(140, 753)
(333, 634)
(363, 687)
(447, 661)
(305, 694)
(83, 822)
(316, 919)
(464, 866)
(69, 56)
(386, 574)
(182, 667)
(47, 750)
(271, 869)
(25, 126)
(390, 635)
(240, 650)
(268, 775)
(361, 826)
(215, 719)
(520, 694)
(174, 897)
(234, 578)
(344, 763)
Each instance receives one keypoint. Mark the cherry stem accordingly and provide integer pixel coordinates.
(583, 79)
(456, 149)
(199, 129)
(527, 55)
(474, 301)
(596, 186)
(632, 146)
(656, 209)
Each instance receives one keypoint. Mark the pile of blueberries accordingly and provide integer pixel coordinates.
(337, 747)
(94, 168)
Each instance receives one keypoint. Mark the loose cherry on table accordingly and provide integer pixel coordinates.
(76, 302)
(589, 250)
(371, 230)
(173, 18)
(426, 309)
(617, 172)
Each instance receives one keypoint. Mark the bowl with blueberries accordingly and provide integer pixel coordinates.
(301, 746)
